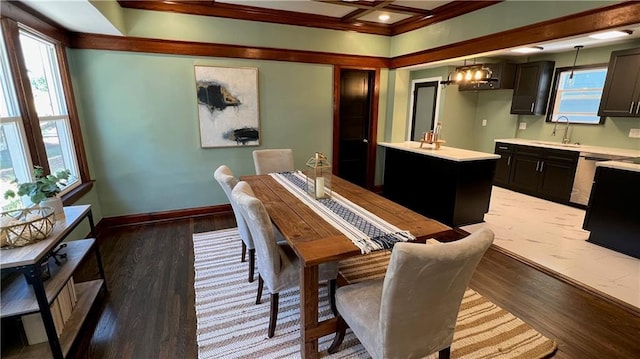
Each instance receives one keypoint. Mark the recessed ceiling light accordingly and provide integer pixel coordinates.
(383, 17)
(528, 49)
(611, 34)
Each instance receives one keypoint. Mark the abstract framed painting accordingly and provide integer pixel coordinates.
(227, 106)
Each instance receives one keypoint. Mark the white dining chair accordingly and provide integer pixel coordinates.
(412, 311)
(278, 265)
(273, 160)
(228, 181)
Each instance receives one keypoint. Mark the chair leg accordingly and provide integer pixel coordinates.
(337, 340)
(273, 318)
(252, 263)
(445, 353)
(244, 252)
(260, 284)
(332, 297)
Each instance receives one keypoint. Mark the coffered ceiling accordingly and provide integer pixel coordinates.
(387, 17)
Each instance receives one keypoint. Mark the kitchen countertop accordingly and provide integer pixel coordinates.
(444, 152)
(626, 166)
(622, 152)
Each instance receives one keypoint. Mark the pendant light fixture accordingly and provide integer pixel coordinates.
(469, 74)
(574, 61)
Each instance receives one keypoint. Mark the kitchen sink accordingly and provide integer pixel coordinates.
(550, 143)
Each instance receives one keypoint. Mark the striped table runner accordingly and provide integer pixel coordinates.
(366, 230)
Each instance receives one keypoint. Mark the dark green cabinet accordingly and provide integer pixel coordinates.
(453, 192)
(531, 88)
(542, 172)
(526, 169)
(621, 93)
(503, 165)
(612, 217)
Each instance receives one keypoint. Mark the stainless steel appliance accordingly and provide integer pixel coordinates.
(585, 172)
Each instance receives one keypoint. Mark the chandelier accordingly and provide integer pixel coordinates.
(471, 74)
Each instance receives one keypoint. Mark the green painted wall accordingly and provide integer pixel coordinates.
(462, 112)
(614, 132)
(166, 25)
(496, 18)
(495, 107)
(139, 116)
(456, 110)
(141, 126)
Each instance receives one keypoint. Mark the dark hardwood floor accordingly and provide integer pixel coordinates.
(149, 310)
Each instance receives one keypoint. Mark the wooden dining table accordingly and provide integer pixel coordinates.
(316, 241)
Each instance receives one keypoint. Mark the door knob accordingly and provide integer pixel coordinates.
(364, 140)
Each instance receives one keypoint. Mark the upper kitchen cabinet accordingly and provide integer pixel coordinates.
(531, 89)
(621, 93)
(502, 71)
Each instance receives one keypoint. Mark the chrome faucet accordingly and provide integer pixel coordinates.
(565, 137)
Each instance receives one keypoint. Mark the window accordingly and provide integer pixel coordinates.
(48, 97)
(37, 126)
(576, 94)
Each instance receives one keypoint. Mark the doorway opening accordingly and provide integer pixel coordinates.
(424, 107)
(355, 124)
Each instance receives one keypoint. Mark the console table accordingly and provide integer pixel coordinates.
(20, 298)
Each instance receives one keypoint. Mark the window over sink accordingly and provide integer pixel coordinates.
(576, 94)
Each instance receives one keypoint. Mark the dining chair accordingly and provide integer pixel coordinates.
(273, 160)
(278, 265)
(412, 311)
(228, 181)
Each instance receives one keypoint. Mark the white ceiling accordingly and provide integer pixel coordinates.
(75, 15)
(337, 10)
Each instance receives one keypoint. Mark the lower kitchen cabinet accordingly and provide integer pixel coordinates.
(453, 192)
(612, 216)
(541, 172)
(503, 165)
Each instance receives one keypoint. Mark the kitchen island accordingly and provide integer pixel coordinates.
(612, 215)
(448, 184)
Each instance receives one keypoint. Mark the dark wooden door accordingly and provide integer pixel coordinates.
(354, 132)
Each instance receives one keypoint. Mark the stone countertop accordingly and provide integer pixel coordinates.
(444, 152)
(593, 150)
(625, 166)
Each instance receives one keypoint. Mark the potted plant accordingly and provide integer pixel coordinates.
(44, 189)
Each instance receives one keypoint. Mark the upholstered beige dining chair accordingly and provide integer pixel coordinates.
(228, 181)
(278, 265)
(273, 160)
(412, 311)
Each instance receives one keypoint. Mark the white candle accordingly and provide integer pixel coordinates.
(319, 187)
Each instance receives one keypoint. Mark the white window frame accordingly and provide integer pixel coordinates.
(556, 95)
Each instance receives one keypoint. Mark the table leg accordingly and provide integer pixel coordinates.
(35, 276)
(308, 311)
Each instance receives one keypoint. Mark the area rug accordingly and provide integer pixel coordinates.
(231, 325)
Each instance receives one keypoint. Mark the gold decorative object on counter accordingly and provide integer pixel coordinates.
(22, 227)
(433, 137)
(318, 176)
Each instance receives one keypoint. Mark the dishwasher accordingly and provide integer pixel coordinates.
(585, 172)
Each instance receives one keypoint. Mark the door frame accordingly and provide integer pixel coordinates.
(411, 104)
(373, 121)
